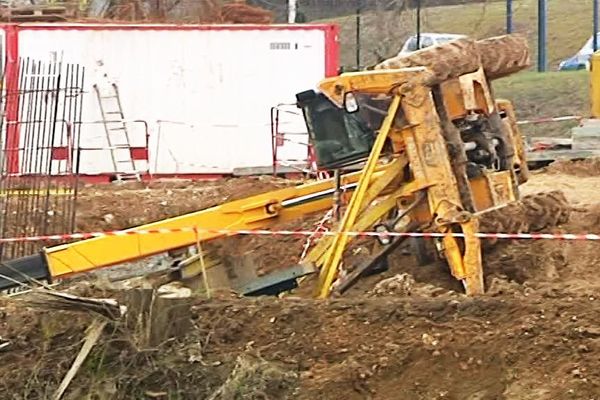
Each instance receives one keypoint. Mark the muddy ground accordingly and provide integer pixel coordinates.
(405, 334)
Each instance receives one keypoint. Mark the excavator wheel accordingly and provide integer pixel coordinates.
(423, 250)
(546, 210)
(444, 62)
(503, 55)
(500, 56)
(533, 213)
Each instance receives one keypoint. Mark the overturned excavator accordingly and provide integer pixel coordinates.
(453, 155)
(420, 145)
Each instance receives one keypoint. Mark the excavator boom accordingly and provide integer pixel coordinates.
(257, 212)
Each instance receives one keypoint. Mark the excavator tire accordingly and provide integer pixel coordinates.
(499, 56)
(503, 55)
(546, 210)
(423, 249)
(533, 213)
(443, 62)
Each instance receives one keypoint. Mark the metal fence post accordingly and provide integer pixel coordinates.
(418, 24)
(595, 25)
(292, 9)
(358, 20)
(509, 16)
(542, 17)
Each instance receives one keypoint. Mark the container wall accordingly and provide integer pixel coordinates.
(212, 89)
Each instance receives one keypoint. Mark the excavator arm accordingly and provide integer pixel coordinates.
(257, 212)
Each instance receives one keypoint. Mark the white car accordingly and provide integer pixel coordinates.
(427, 40)
(581, 60)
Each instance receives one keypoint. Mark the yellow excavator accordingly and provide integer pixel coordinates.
(432, 150)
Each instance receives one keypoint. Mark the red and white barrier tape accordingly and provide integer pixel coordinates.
(553, 119)
(320, 229)
(263, 232)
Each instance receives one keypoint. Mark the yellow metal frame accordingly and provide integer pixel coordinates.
(419, 142)
(595, 84)
(412, 125)
(334, 256)
(257, 212)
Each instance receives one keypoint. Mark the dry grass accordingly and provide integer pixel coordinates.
(569, 26)
(549, 94)
(535, 95)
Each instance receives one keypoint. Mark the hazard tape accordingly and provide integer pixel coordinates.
(262, 232)
(553, 119)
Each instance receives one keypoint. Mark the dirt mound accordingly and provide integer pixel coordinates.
(404, 285)
(568, 265)
(109, 207)
(241, 13)
(267, 253)
(582, 168)
(526, 347)
(406, 333)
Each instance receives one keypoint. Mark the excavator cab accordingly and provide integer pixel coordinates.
(340, 136)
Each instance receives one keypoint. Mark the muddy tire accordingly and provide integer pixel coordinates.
(504, 55)
(444, 62)
(499, 56)
(546, 210)
(506, 219)
(533, 213)
(423, 250)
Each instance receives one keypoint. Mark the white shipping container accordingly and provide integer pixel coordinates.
(205, 91)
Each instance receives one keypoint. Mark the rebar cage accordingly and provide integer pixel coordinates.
(39, 157)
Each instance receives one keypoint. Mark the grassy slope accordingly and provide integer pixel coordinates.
(534, 95)
(569, 26)
(546, 95)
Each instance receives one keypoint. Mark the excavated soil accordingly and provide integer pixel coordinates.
(582, 168)
(407, 333)
(120, 206)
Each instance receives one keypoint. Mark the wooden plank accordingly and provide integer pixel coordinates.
(93, 334)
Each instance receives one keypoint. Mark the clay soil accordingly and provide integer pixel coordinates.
(407, 333)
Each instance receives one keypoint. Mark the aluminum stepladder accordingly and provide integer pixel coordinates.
(117, 135)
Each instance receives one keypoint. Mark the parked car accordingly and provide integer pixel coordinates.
(581, 60)
(427, 40)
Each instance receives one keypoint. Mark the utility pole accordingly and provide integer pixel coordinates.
(542, 17)
(509, 16)
(418, 24)
(595, 25)
(292, 9)
(358, 20)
